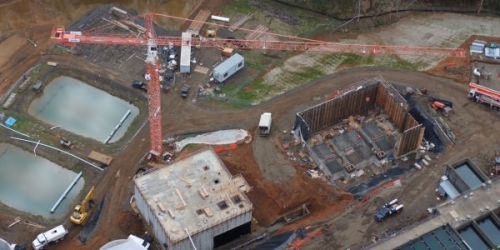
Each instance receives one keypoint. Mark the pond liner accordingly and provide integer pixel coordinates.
(360, 190)
(91, 224)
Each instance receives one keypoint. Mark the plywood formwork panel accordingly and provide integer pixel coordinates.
(357, 101)
(410, 122)
(410, 140)
(393, 103)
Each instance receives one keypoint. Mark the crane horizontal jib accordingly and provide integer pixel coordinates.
(72, 38)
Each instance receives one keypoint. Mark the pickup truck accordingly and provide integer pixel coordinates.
(388, 209)
(54, 235)
(140, 85)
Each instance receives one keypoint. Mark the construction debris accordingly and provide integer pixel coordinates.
(240, 22)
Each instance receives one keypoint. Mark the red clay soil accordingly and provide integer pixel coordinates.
(272, 200)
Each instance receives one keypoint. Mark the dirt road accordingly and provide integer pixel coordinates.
(116, 221)
(183, 116)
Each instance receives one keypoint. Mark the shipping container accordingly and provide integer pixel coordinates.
(186, 53)
(229, 67)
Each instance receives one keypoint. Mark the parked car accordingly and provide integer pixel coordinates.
(185, 90)
(140, 85)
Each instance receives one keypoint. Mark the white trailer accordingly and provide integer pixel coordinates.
(265, 122)
(52, 236)
(229, 67)
(186, 53)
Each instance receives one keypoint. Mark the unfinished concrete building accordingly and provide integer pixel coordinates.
(470, 221)
(194, 203)
(364, 124)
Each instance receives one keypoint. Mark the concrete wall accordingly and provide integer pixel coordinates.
(205, 239)
(456, 180)
(202, 239)
(150, 218)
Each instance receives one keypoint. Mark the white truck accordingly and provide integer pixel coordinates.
(52, 236)
(265, 122)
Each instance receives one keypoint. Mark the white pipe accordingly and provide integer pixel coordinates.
(190, 239)
(117, 126)
(36, 146)
(65, 193)
(56, 126)
(62, 151)
(14, 130)
(220, 18)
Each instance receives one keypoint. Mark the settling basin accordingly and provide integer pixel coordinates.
(33, 184)
(491, 229)
(472, 179)
(82, 109)
(473, 238)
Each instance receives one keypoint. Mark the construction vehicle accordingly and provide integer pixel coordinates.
(210, 33)
(443, 105)
(185, 90)
(265, 122)
(151, 41)
(484, 95)
(54, 235)
(388, 209)
(65, 143)
(80, 214)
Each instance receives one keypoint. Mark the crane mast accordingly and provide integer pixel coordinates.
(153, 82)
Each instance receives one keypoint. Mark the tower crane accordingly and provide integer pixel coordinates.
(149, 39)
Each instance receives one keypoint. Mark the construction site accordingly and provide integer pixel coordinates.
(138, 126)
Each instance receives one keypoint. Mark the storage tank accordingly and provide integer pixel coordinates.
(4, 245)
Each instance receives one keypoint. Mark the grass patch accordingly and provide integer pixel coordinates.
(239, 6)
(37, 72)
(307, 74)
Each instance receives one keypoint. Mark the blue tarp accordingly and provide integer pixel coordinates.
(10, 122)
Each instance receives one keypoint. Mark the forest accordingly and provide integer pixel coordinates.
(347, 9)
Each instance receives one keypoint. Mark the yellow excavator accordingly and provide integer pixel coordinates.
(80, 214)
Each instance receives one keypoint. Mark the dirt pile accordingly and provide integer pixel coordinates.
(272, 200)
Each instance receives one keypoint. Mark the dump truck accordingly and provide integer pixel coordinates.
(54, 235)
(265, 122)
(388, 209)
(81, 214)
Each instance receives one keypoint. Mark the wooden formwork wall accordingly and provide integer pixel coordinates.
(393, 103)
(411, 137)
(334, 111)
